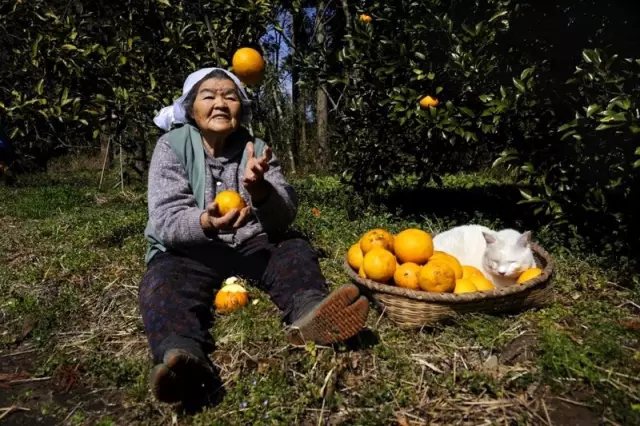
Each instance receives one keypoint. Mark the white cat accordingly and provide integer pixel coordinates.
(501, 255)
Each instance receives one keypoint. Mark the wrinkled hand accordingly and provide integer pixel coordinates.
(212, 221)
(253, 179)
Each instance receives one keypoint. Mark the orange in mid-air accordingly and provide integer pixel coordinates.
(248, 65)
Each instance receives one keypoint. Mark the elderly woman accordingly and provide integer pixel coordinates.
(192, 247)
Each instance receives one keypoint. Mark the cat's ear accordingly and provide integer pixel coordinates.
(488, 237)
(524, 239)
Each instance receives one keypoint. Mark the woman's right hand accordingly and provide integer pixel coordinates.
(212, 221)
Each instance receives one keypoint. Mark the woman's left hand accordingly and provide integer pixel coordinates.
(253, 179)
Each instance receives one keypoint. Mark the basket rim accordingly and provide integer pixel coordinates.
(427, 296)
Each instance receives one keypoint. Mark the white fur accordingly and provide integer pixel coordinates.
(501, 255)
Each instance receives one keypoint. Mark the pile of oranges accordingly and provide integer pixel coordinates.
(408, 260)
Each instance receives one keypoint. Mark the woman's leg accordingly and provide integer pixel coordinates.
(175, 302)
(175, 298)
(292, 277)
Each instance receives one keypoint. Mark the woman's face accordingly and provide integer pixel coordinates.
(217, 107)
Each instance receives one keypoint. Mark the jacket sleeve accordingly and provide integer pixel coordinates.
(279, 209)
(173, 210)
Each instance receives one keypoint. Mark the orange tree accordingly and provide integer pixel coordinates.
(407, 51)
(499, 71)
(75, 71)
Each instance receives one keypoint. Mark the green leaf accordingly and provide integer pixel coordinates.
(467, 111)
(519, 85)
(623, 103)
(525, 195)
(420, 56)
(34, 46)
(592, 109)
(620, 116)
(68, 47)
(591, 56)
(39, 86)
(526, 73)
(498, 15)
(567, 126)
(607, 126)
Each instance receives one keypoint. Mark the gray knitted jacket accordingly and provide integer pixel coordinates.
(175, 216)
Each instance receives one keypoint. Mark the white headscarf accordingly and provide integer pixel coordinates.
(176, 114)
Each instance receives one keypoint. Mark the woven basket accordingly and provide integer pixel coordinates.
(416, 309)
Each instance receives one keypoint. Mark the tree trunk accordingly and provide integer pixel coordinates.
(323, 158)
(140, 157)
(287, 140)
(347, 20)
(105, 152)
(299, 41)
(323, 153)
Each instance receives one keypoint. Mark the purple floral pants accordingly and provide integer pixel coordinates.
(176, 292)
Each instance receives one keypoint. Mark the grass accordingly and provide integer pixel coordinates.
(70, 263)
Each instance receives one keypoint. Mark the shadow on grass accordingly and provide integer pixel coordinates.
(495, 202)
(365, 339)
(210, 395)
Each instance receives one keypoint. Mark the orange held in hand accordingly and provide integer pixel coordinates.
(230, 298)
(248, 65)
(229, 200)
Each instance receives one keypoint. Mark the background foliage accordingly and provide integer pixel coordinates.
(549, 90)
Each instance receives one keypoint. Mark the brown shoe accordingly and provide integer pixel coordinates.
(165, 384)
(337, 317)
(179, 375)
